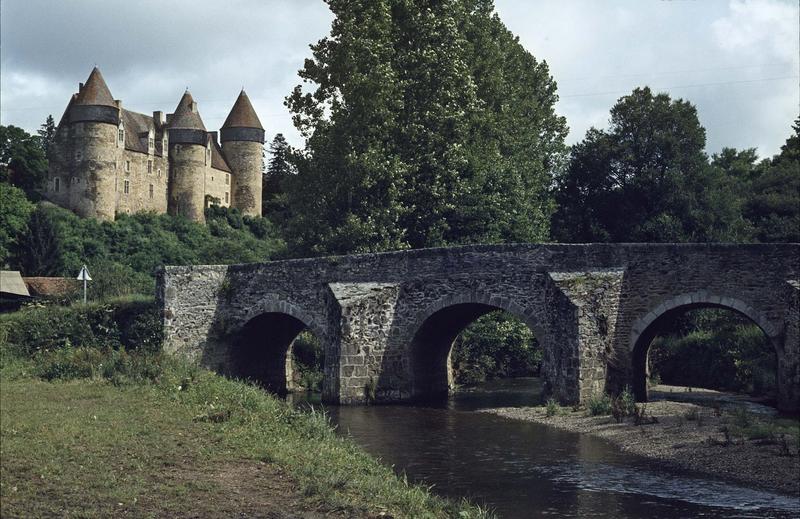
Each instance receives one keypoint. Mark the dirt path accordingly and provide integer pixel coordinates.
(691, 437)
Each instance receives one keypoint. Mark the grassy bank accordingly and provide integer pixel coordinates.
(93, 432)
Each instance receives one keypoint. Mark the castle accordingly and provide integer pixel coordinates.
(106, 160)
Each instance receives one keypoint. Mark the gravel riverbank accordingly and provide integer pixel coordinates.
(692, 437)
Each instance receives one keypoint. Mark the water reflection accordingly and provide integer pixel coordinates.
(529, 470)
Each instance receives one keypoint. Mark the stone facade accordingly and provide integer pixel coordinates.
(106, 160)
(388, 321)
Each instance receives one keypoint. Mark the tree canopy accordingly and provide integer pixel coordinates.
(429, 124)
(23, 162)
(646, 179)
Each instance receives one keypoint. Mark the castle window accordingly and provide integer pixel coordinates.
(121, 136)
(151, 144)
(149, 167)
(127, 165)
(226, 197)
(78, 155)
(227, 179)
(57, 184)
(151, 190)
(126, 187)
(159, 172)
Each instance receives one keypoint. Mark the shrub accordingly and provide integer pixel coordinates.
(117, 366)
(551, 408)
(599, 405)
(131, 323)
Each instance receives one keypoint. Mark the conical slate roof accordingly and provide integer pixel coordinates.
(95, 92)
(186, 115)
(242, 114)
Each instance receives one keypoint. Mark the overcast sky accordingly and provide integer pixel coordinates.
(736, 60)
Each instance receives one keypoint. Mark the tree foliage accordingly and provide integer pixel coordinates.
(123, 255)
(429, 125)
(15, 209)
(23, 162)
(47, 134)
(646, 179)
(280, 168)
(773, 202)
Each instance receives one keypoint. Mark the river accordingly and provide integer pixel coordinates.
(523, 470)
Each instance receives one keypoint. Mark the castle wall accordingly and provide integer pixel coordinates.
(218, 185)
(187, 181)
(244, 158)
(132, 168)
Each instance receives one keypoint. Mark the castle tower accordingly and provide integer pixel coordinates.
(242, 142)
(187, 155)
(86, 166)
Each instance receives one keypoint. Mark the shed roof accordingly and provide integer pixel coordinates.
(11, 283)
(51, 286)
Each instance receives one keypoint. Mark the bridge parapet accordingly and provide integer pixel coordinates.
(387, 321)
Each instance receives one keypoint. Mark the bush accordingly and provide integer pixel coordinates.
(117, 366)
(496, 345)
(599, 405)
(716, 349)
(132, 323)
(551, 408)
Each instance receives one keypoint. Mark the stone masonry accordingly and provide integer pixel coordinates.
(387, 321)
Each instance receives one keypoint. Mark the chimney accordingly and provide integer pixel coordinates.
(158, 117)
(80, 87)
(118, 102)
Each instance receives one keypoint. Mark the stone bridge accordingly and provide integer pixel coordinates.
(387, 321)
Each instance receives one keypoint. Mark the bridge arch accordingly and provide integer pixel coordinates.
(647, 327)
(432, 332)
(261, 344)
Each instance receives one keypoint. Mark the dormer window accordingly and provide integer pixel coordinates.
(121, 136)
(151, 144)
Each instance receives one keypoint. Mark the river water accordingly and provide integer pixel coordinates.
(523, 470)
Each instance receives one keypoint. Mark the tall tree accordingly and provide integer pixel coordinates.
(429, 125)
(773, 203)
(646, 178)
(279, 168)
(22, 160)
(47, 133)
(15, 209)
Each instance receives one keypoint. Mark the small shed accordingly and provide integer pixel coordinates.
(13, 290)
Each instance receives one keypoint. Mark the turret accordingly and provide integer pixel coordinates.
(187, 154)
(242, 142)
(84, 175)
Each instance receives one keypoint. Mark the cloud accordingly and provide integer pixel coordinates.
(718, 55)
(761, 30)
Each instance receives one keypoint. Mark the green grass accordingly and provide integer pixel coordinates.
(187, 443)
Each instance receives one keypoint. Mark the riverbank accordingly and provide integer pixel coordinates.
(189, 443)
(737, 446)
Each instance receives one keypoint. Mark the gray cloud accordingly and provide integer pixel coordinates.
(722, 56)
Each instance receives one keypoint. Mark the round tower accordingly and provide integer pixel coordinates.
(187, 160)
(242, 139)
(88, 173)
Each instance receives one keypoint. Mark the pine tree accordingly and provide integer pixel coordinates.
(47, 133)
(279, 169)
